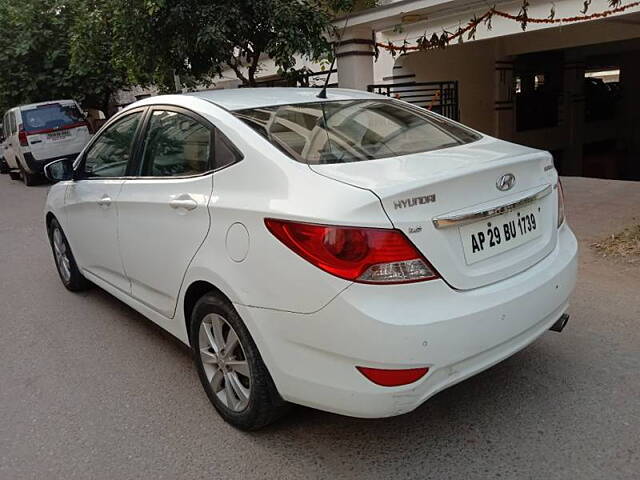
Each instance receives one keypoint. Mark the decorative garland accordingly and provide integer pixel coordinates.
(442, 40)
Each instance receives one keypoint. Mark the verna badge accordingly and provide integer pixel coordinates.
(506, 182)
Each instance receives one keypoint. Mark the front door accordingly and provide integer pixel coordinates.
(163, 213)
(91, 202)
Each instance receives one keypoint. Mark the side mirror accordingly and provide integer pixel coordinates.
(59, 170)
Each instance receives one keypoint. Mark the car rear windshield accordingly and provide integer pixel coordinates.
(50, 116)
(353, 130)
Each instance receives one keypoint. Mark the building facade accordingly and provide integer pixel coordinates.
(562, 76)
(570, 86)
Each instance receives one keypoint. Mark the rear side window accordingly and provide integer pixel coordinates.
(51, 116)
(110, 152)
(12, 123)
(225, 153)
(175, 145)
(353, 130)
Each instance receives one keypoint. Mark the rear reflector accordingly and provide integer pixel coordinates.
(393, 378)
(365, 255)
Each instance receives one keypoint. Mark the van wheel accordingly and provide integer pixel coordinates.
(230, 366)
(14, 175)
(66, 264)
(29, 179)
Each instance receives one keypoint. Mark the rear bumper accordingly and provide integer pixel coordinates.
(312, 357)
(37, 165)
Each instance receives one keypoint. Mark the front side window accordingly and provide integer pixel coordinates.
(353, 130)
(175, 145)
(51, 116)
(110, 153)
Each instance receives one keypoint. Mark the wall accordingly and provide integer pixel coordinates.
(473, 66)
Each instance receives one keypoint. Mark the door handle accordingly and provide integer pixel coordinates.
(104, 201)
(183, 201)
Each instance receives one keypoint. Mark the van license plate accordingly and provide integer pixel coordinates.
(486, 238)
(58, 135)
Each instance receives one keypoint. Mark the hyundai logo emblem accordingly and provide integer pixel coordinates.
(506, 182)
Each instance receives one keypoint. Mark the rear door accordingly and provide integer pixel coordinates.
(91, 201)
(163, 213)
(55, 129)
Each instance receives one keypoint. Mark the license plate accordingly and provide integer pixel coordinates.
(58, 135)
(484, 239)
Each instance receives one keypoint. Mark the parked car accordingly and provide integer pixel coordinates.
(4, 167)
(39, 133)
(355, 254)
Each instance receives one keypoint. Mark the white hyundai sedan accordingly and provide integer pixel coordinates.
(354, 254)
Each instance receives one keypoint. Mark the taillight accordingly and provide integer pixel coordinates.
(22, 136)
(365, 255)
(393, 378)
(560, 204)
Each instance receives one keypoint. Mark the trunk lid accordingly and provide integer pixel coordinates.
(455, 183)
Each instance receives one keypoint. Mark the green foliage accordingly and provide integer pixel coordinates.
(92, 64)
(57, 49)
(88, 49)
(198, 39)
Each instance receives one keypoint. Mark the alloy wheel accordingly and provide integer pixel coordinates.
(224, 362)
(61, 253)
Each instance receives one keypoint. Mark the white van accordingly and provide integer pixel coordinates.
(38, 133)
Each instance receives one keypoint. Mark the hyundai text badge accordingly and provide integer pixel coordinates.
(506, 182)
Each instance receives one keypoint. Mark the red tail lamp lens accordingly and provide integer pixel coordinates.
(367, 255)
(22, 136)
(393, 378)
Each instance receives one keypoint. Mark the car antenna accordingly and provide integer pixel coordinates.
(323, 92)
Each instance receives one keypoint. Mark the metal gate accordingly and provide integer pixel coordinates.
(440, 97)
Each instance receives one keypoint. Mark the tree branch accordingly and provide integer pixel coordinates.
(234, 66)
(253, 68)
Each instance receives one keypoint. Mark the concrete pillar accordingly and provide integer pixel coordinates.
(392, 68)
(504, 99)
(573, 115)
(354, 55)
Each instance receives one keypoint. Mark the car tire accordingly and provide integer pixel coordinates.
(29, 179)
(65, 262)
(230, 367)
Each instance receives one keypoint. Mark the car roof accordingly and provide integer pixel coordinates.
(30, 105)
(242, 98)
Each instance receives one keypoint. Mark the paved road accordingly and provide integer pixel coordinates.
(90, 389)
